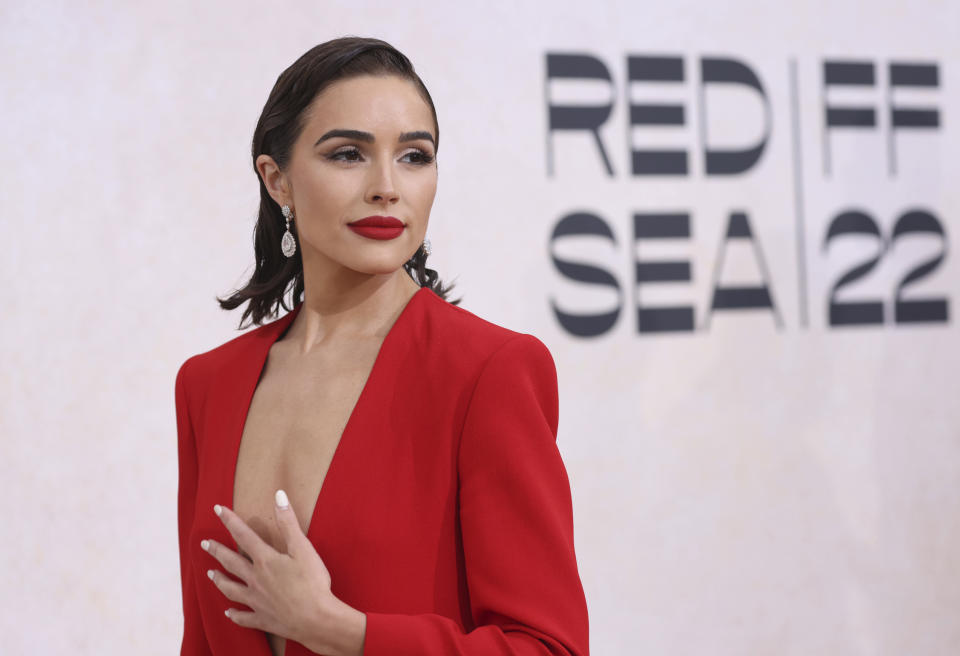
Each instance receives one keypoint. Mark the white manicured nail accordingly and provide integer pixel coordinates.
(205, 544)
(282, 501)
(217, 509)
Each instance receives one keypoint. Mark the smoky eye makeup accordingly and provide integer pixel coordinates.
(353, 154)
(421, 156)
(350, 154)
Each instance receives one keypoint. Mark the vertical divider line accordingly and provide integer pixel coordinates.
(798, 196)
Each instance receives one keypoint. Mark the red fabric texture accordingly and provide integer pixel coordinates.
(446, 513)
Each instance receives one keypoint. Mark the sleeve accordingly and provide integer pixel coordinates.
(194, 641)
(516, 516)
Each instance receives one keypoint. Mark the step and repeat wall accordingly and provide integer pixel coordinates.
(734, 225)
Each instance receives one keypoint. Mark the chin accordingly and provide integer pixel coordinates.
(379, 265)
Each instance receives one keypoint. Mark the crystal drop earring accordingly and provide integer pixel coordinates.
(426, 246)
(288, 244)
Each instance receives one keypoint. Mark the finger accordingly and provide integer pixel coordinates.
(230, 559)
(290, 529)
(231, 589)
(244, 618)
(245, 536)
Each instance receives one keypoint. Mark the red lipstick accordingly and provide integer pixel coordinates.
(377, 227)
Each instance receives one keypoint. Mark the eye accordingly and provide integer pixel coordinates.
(420, 157)
(348, 154)
(352, 154)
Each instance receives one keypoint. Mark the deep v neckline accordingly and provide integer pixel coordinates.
(249, 387)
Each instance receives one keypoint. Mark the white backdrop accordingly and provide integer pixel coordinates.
(762, 482)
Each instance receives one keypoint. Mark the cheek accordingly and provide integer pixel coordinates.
(321, 196)
(426, 193)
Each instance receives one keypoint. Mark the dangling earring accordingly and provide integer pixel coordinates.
(426, 246)
(288, 244)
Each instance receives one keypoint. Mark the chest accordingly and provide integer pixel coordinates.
(299, 411)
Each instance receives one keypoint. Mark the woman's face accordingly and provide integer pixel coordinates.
(387, 168)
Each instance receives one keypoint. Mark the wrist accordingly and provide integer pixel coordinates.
(339, 631)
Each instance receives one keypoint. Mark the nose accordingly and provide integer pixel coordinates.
(381, 188)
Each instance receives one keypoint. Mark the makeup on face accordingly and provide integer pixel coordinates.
(378, 227)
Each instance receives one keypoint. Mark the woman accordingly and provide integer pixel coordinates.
(376, 472)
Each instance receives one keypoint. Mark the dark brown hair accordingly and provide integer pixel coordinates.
(280, 125)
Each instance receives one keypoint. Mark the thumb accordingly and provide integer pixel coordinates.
(290, 529)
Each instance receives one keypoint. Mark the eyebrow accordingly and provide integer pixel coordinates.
(359, 135)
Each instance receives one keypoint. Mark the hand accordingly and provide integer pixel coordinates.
(289, 593)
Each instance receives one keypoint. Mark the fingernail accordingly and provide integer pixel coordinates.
(210, 574)
(205, 544)
(217, 509)
(282, 501)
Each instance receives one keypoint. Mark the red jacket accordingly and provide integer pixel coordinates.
(450, 459)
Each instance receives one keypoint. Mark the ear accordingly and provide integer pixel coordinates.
(274, 180)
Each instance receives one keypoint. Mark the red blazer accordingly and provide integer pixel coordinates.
(465, 542)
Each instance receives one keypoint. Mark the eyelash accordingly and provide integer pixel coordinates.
(425, 158)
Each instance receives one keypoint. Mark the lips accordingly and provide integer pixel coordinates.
(378, 227)
(381, 221)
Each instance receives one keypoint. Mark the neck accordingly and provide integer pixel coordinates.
(343, 305)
